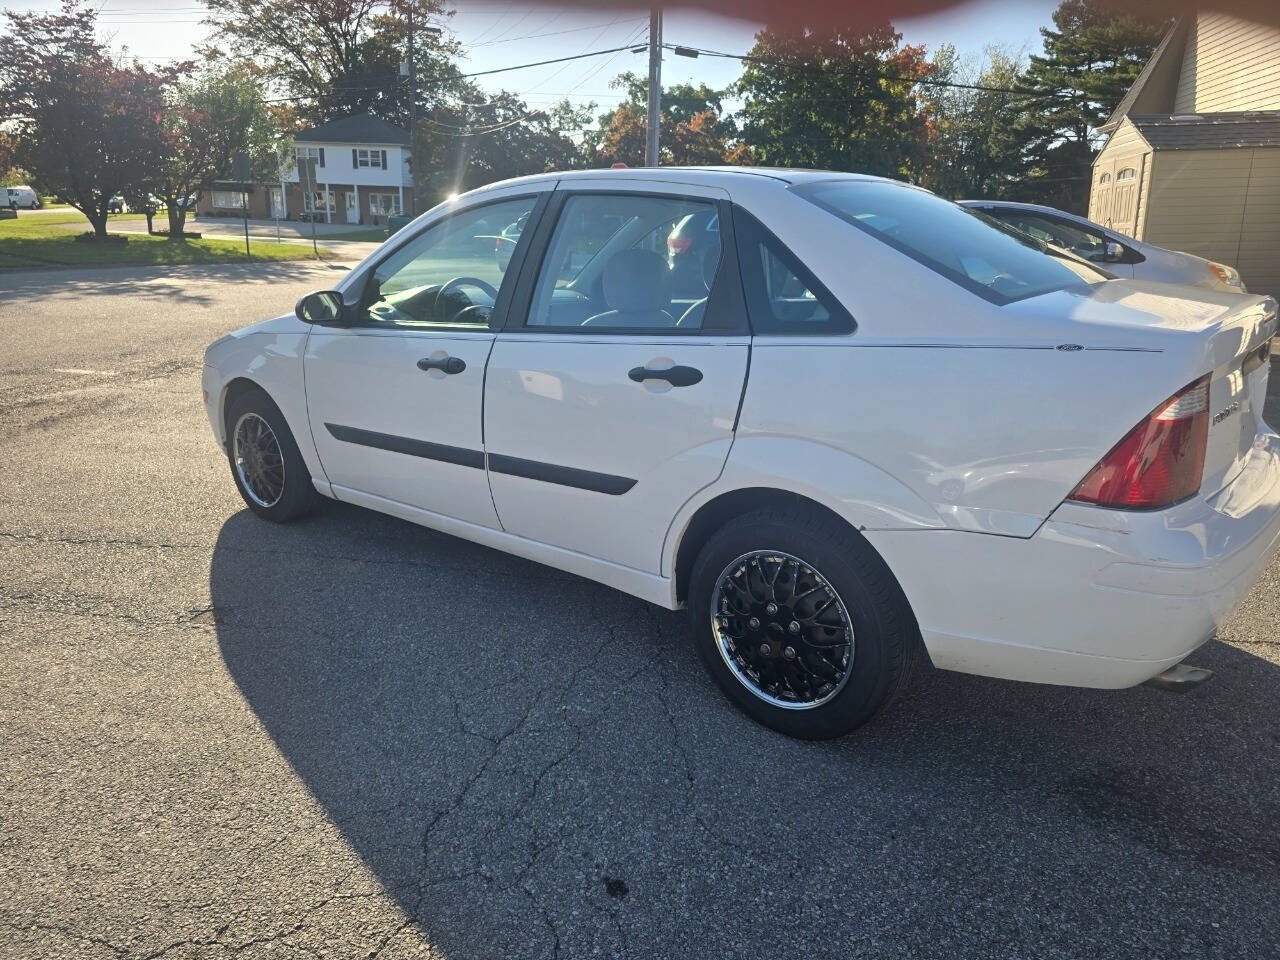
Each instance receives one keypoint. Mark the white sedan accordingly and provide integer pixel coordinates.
(852, 426)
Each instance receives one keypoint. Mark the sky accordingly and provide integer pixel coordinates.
(500, 34)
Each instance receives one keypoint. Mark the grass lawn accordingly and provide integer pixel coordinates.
(50, 241)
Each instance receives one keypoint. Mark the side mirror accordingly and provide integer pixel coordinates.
(1112, 252)
(324, 307)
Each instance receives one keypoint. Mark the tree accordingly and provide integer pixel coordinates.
(693, 127)
(338, 57)
(213, 116)
(478, 139)
(838, 98)
(1090, 60)
(87, 128)
(974, 149)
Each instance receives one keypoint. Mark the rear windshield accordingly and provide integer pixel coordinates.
(979, 253)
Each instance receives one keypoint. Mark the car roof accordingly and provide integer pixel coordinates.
(724, 177)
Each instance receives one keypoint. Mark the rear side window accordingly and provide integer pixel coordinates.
(628, 262)
(965, 246)
(783, 296)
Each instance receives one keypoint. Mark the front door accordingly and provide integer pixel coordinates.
(613, 391)
(395, 400)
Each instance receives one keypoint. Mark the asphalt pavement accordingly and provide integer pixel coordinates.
(353, 737)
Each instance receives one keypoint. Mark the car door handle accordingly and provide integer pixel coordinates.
(447, 364)
(676, 376)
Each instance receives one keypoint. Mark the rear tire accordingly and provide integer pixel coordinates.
(266, 464)
(800, 622)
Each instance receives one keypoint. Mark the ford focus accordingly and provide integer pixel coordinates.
(852, 426)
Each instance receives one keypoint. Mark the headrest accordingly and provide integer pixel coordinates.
(635, 281)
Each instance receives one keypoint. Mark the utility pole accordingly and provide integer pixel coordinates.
(655, 86)
(413, 79)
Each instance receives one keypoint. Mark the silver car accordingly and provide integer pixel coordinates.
(1121, 255)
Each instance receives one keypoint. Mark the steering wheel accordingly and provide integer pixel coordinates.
(456, 282)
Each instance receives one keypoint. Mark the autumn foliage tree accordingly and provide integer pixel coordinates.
(694, 128)
(87, 128)
(835, 99)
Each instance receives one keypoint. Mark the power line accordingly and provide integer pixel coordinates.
(553, 33)
(542, 63)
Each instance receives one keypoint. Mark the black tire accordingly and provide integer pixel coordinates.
(886, 639)
(298, 496)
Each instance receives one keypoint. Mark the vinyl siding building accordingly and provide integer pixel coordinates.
(356, 169)
(1192, 161)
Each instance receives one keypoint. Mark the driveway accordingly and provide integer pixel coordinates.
(353, 737)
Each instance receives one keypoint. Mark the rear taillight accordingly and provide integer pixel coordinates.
(1160, 461)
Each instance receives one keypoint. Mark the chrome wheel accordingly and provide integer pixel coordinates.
(258, 460)
(782, 629)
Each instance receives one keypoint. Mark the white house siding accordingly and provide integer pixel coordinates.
(1229, 65)
(338, 167)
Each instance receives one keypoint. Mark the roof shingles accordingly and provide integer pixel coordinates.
(357, 128)
(1208, 131)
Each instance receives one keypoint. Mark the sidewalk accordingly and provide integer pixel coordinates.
(327, 235)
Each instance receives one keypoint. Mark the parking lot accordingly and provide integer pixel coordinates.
(354, 737)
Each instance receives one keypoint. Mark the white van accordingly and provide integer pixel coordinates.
(22, 196)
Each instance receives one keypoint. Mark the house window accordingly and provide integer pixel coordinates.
(369, 158)
(313, 201)
(228, 199)
(384, 204)
(1105, 178)
(303, 154)
(1128, 173)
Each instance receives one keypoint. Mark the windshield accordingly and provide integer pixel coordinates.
(967, 247)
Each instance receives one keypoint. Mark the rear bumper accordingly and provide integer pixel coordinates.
(1097, 597)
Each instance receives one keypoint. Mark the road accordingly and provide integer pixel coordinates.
(353, 737)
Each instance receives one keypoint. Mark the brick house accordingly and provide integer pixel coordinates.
(354, 169)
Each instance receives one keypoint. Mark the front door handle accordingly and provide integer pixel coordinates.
(676, 376)
(447, 364)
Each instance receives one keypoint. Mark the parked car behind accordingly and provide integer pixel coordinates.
(882, 426)
(22, 196)
(1121, 255)
(116, 204)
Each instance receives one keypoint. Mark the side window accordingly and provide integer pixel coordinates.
(783, 297)
(1070, 236)
(619, 262)
(449, 276)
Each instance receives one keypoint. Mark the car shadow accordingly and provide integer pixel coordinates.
(533, 764)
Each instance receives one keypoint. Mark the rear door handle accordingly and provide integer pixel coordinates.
(676, 376)
(447, 364)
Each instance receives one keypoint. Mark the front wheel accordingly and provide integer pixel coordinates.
(266, 465)
(800, 622)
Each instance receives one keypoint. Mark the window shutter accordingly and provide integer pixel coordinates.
(354, 162)
(322, 156)
(384, 159)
